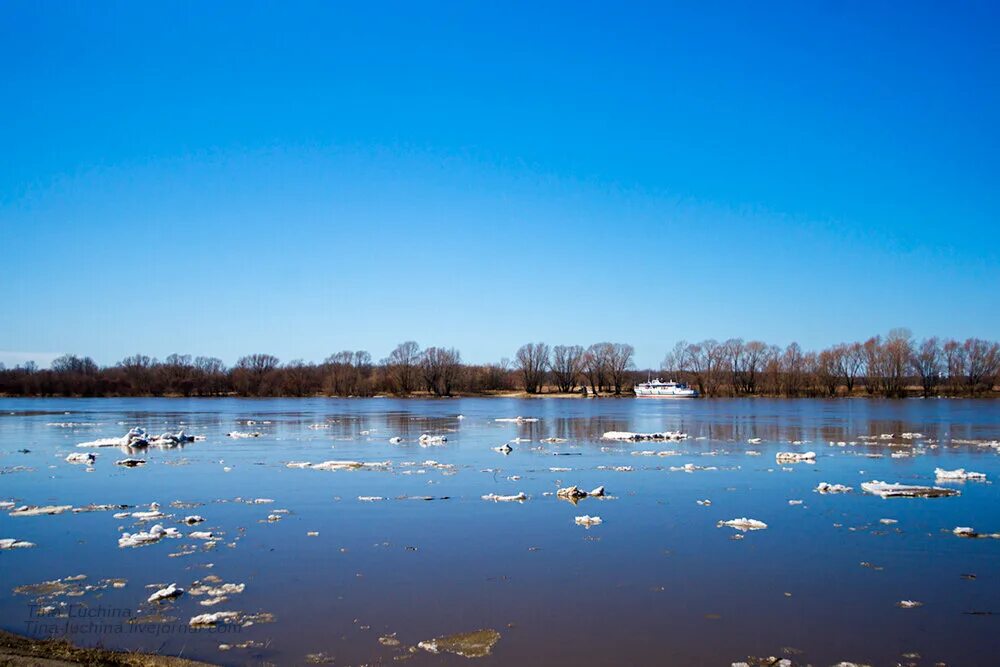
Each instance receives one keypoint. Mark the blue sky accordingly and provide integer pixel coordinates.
(301, 178)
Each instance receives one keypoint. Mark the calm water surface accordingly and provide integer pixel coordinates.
(656, 583)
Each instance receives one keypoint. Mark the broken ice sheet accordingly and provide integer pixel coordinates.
(519, 497)
(40, 510)
(11, 543)
(957, 475)
(743, 524)
(587, 521)
(895, 490)
(795, 457)
(166, 593)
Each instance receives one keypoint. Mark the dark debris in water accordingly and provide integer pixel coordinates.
(476, 644)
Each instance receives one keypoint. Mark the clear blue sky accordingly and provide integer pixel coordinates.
(301, 178)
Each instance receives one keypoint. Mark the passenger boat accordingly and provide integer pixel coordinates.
(659, 389)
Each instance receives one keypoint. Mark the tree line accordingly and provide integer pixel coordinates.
(893, 366)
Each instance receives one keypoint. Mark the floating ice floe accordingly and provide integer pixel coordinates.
(887, 490)
(131, 463)
(10, 543)
(958, 475)
(201, 535)
(795, 457)
(152, 513)
(505, 448)
(704, 503)
(208, 620)
(40, 510)
(826, 487)
(87, 458)
(370, 499)
(520, 497)
(516, 420)
(171, 591)
(743, 524)
(752, 452)
(395, 440)
(966, 531)
(350, 465)
(637, 437)
(193, 519)
(238, 435)
(102, 442)
(574, 493)
(755, 441)
(909, 604)
(794, 503)
(100, 507)
(426, 440)
(173, 439)
(138, 438)
(588, 521)
(142, 538)
(690, 467)
(912, 436)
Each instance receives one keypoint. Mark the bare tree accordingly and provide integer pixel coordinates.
(595, 366)
(734, 348)
(850, 362)
(138, 373)
(828, 369)
(212, 375)
(955, 362)
(982, 363)
(178, 374)
(747, 361)
(533, 361)
(619, 363)
(298, 378)
(252, 373)
(402, 367)
(874, 371)
(497, 376)
(440, 369)
(567, 361)
(927, 364)
(793, 369)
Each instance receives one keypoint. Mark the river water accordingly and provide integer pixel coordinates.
(656, 582)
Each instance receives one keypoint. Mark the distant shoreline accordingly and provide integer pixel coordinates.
(417, 396)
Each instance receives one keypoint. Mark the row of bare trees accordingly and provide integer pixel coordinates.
(435, 370)
(603, 367)
(893, 366)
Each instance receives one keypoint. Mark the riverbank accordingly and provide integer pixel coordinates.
(19, 651)
(519, 394)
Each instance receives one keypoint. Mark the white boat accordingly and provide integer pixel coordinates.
(659, 389)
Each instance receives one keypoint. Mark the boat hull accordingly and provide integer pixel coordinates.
(681, 396)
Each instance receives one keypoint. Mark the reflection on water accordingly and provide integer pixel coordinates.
(317, 572)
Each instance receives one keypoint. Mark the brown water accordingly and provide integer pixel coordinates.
(657, 582)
